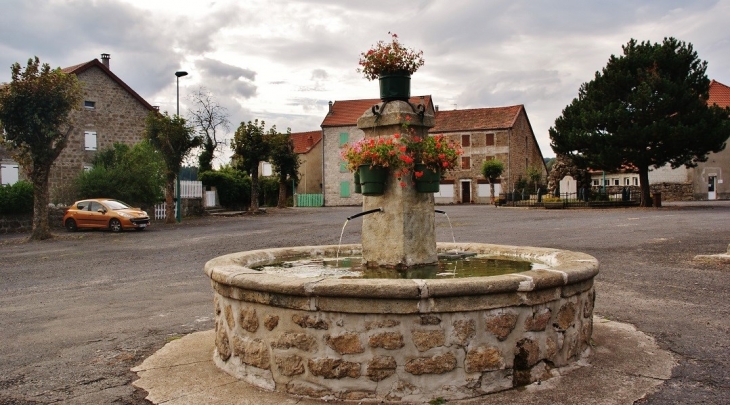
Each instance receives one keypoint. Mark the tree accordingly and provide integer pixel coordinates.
(134, 175)
(646, 108)
(208, 117)
(36, 123)
(173, 139)
(250, 146)
(285, 162)
(492, 169)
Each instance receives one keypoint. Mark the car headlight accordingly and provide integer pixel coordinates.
(125, 215)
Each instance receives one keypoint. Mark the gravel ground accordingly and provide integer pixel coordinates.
(77, 312)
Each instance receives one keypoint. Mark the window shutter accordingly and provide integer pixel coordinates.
(89, 140)
(344, 138)
(344, 189)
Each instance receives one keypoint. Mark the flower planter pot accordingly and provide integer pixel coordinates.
(372, 179)
(395, 86)
(429, 181)
(358, 186)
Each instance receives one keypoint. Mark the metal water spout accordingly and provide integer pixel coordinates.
(379, 209)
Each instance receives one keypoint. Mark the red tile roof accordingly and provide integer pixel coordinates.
(305, 141)
(76, 69)
(476, 119)
(719, 94)
(346, 112)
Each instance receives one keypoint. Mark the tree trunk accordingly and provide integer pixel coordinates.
(282, 195)
(41, 230)
(169, 201)
(491, 192)
(254, 190)
(645, 189)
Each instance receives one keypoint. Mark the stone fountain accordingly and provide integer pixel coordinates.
(400, 339)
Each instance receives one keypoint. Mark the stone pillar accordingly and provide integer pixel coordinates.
(403, 235)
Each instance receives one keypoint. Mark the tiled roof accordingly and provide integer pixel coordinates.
(305, 141)
(476, 119)
(76, 69)
(719, 94)
(346, 112)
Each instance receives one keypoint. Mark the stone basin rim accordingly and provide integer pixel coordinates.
(566, 267)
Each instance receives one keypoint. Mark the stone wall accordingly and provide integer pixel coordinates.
(674, 191)
(116, 117)
(24, 223)
(400, 340)
(333, 174)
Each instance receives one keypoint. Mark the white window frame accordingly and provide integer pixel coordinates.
(90, 142)
(266, 169)
(9, 173)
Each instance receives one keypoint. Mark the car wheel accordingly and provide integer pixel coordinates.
(71, 225)
(115, 225)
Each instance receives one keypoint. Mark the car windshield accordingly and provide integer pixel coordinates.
(116, 205)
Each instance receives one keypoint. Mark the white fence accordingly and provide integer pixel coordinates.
(188, 189)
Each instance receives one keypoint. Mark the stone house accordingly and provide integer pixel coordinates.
(308, 145)
(111, 112)
(502, 133)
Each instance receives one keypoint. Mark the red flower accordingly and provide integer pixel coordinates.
(418, 174)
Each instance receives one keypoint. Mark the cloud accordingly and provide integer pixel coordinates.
(226, 80)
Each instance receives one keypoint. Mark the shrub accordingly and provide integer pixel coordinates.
(234, 187)
(16, 198)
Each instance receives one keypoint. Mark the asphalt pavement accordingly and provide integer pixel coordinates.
(77, 312)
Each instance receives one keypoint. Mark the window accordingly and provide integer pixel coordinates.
(596, 182)
(343, 167)
(89, 140)
(344, 138)
(446, 190)
(488, 157)
(87, 168)
(636, 181)
(95, 207)
(465, 162)
(627, 181)
(89, 105)
(266, 169)
(607, 182)
(344, 189)
(466, 140)
(9, 173)
(490, 139)
(616, 182)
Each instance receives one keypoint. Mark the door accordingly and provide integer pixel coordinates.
(97, 215)
(711, 184)
(465, 192)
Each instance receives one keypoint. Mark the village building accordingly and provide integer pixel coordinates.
(502, 133)
(308, 146)
(111, 113)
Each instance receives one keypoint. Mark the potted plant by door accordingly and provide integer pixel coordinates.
(392, 64)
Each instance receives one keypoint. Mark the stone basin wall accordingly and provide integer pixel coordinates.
(396, 339)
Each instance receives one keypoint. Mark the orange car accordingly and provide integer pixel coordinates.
(106, 214)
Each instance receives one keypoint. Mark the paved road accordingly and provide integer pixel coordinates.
(78, 311)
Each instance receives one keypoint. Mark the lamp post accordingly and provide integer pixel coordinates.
(178, 208)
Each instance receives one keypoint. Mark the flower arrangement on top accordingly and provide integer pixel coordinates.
(389, 57)
(380, 152)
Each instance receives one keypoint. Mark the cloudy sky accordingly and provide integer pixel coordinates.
(282, 61)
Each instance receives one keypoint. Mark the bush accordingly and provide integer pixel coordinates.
(16, 198)
(268, 191)
(234, 187)
(133, 175)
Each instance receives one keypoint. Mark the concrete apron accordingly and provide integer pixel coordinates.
(625, 366)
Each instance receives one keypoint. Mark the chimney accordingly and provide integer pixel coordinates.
(330, 110)
(105, 59)
(437, 108)
(310, 141)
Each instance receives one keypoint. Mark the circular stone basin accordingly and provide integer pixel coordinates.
(410, 340)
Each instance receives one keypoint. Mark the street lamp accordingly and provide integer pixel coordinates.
(178, 208)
